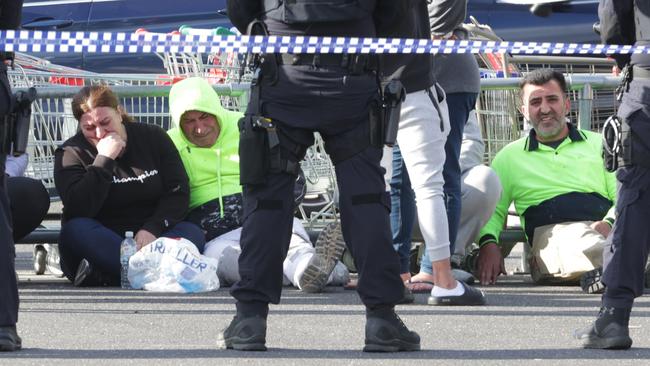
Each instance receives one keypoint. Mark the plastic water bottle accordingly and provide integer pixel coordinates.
(127, 249)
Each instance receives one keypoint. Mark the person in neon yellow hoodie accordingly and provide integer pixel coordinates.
(207, 138)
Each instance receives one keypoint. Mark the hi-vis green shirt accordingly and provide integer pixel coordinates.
(213, 171)
(531, 173)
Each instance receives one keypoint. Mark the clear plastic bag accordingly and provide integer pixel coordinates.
(172, 265)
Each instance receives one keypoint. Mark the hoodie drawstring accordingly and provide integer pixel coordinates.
(221, 212)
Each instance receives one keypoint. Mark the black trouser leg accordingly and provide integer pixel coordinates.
(8, 285)
(365, 221)
(626, 252)
(268, 217)
(27, 217)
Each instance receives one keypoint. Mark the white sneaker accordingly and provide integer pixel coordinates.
(53, 260)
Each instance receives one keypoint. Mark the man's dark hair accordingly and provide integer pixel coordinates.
(541, 77)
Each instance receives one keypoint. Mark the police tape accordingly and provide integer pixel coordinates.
(106, 42)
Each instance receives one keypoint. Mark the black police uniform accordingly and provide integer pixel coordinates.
(10, 11)
(302, 94)
(626, 22)
(331, 94)
(626, 254)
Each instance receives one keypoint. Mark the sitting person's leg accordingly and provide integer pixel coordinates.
(480, 192)
(84, 238)
(29, 203)
(189, 231)
(225, 248)
(310, 273)
(216, 219)
(562, 253)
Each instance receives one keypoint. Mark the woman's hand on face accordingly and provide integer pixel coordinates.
(143, 237)
(111, 145)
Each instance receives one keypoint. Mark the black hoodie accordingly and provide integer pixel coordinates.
(415, 71)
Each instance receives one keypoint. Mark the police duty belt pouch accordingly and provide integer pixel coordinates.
(254, 151)
(317, 11)
(172, 265)
(562, 253)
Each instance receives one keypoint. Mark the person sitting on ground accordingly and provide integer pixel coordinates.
(207, 138)
(115, 176)
(561, 191)
(28, 198)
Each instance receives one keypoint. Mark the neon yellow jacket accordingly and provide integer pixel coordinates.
(213, 171)
(531, 173)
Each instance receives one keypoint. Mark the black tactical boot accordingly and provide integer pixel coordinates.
(385, 332)
(9, 339)
(247, 330)
(609, 331)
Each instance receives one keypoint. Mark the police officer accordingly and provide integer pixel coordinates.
(10, 12)
(296, 95)
(626, 22)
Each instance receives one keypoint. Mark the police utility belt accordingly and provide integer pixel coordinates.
(622, 146)
(260, 142)
(355, 63)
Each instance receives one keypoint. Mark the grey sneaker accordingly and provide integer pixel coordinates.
(463, 276)
(329, 249)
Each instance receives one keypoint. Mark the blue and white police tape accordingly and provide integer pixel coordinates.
(105, 42)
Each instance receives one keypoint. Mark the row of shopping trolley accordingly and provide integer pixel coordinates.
(145, 98)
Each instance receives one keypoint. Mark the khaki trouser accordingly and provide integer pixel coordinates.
(563, 252)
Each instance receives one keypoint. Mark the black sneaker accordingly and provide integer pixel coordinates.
(609, 331)
(385, 332)
(590, 281)
(471, 296)
(244, 334)
(9, 339)
(86, 276)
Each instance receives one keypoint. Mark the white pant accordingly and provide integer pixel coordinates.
(421, 139)
(226, 249)
(480, 191)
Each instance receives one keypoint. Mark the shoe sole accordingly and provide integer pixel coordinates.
(239, 344)
(590, 282)
(391, 347)
(329, 249)
(607, 343)
(471, 297)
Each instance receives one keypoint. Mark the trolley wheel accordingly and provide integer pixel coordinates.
(40, 259)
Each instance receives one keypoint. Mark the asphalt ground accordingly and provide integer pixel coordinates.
(521, 324)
